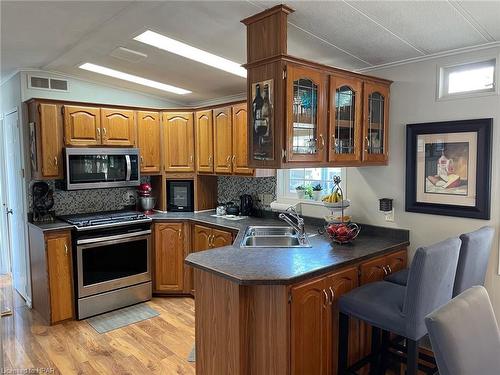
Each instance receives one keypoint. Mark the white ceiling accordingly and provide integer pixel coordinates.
(59, 35)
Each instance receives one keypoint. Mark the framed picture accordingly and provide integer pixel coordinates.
(262, 118)
(448, 168)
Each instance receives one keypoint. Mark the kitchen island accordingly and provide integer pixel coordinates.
(273, 310)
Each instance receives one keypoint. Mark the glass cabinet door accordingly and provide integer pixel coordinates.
(376, 123)
(345, 119)
(305, 127)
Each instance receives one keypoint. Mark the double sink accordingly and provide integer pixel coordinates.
(260, 236)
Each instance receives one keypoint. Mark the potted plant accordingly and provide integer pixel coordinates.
(316, 192)
(301, 191)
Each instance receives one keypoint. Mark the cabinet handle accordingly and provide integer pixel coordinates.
(191, 159)
(385, 271)
(326, 298)
(142, 160)
(389, 268)
(234, 159)
(55, 161)
(66, 249)
(209, 160)
(211, 240)
(333, 295)
(322, 141)
(367, 144)
(98, 132)
(180, 233)
(228, 160)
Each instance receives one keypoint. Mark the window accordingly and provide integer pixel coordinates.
(457, 80)
(289, 179)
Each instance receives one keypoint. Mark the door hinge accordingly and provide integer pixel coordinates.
(284, 73)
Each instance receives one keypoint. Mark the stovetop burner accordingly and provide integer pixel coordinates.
(104, 218)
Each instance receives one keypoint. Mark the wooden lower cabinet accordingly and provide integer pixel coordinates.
(51, 265)
(314, 322)
(169, 257)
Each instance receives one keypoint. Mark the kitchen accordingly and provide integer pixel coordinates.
(171, 197)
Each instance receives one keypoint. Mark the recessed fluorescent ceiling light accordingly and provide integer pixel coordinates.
(193, 53)
(132, 78)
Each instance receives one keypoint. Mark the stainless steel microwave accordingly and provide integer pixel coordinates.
(94, 168)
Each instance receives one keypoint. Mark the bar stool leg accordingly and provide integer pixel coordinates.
(343, 343)
(375, 360)
(384, 352)
(412, 357)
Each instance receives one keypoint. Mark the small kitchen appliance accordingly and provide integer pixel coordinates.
(180, 195)
(146, 201)
(43, 201)
(246, 205)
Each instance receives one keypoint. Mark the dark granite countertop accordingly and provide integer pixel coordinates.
(276, 265)
(56, 225)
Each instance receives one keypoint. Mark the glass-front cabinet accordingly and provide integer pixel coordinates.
(306, 114)
(345, 119)
(375, 132)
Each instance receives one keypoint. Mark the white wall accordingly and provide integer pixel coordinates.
(413, 100)
(85, 91)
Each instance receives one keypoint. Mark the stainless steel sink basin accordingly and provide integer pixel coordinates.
(273, 237)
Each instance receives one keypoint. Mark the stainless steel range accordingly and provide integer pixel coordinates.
(112, 260)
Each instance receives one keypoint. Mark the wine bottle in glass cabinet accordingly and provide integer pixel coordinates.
(345, 130)
(376, 123)
(305, 133)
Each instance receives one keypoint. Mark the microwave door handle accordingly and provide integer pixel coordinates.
(129, 168)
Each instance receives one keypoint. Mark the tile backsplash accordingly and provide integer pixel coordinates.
(84, 201)
(229, 188)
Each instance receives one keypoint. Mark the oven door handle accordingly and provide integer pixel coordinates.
(129, 167)
(111, 238)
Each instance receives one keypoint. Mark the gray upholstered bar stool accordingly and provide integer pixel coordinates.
(472, 262)
(394, 308)
(465, 336)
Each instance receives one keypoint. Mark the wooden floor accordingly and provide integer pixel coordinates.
(155, 346)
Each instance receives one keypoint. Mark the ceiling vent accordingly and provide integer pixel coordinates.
(129, 55)
(46, 83)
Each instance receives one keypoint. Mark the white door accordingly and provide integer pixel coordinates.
(14, 203)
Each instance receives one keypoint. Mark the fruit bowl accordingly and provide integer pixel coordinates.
(336, 219)
(343, 233)
(342, 204)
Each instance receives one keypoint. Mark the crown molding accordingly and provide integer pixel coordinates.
(217, 101)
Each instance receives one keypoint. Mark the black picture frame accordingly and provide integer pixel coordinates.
(483, 128)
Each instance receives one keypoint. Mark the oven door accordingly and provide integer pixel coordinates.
(113, 262)
(88, 168)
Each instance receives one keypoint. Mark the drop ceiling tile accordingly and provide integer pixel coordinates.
(349, 30)
(486, 13)
(432, 26)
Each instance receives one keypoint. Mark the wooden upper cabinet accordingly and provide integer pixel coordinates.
(240, 140)
(178, 141)
(169, 257)
(345, 125)
(59, 264)
(222, 140)
(376, 123)
(306, 109)
(204, 141)
(310, 328)
(50, 138)
(82, 126)
(117, 127)
(148, 131)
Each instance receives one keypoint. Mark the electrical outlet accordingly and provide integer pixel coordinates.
(389, 216)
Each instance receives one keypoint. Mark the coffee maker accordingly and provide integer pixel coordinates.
(246, 205)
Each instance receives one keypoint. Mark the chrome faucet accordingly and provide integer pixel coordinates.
(299, 225)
